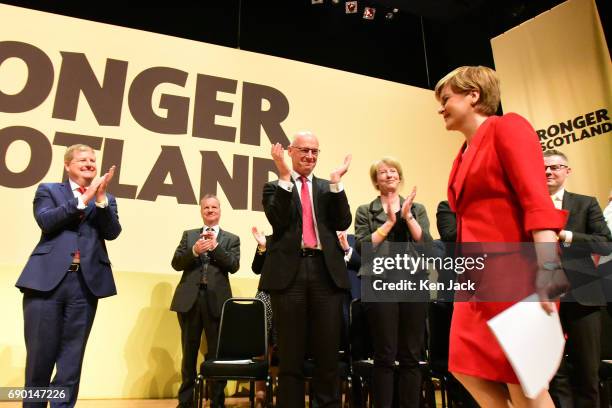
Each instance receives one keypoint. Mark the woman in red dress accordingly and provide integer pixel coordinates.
(497, 188)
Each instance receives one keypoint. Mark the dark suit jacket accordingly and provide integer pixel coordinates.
(284, 212)
(64, 229)
(258, 262)
(370, 217)
(259, 259)
(446, 221)
(353, 265)
(590, 235)
(224, 259)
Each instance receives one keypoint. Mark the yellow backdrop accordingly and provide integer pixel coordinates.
(555, 70)
(134, 348)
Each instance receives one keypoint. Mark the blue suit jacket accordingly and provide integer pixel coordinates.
(64, 229)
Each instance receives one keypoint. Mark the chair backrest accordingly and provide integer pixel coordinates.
(360, 341)
(242, 333)
(439, 319)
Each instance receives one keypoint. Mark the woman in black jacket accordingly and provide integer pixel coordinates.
(397, 328)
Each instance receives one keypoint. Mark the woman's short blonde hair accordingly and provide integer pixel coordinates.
(479, 78)
(389, 161)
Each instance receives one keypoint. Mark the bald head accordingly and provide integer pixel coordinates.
(304, 152)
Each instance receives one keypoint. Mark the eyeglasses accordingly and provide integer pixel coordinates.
(555, 167)
(304, 150)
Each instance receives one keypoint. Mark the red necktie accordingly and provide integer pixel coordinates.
(308, 229)
(82, 189)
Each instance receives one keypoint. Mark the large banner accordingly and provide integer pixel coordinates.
(555, 69)
(179, 118)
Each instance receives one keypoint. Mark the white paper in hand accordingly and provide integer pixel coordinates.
(533, 342)
(247, 361)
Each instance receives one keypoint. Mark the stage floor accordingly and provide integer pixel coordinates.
(154, 403)
(131, 403)
(144, 403)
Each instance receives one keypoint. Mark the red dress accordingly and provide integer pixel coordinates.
(497, 188)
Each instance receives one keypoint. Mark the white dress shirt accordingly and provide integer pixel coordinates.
(557, 199)
(288, 186)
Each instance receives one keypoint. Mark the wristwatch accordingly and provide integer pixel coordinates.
(552, 266)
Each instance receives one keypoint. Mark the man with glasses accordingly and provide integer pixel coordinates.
(304, 271)
(586, 232)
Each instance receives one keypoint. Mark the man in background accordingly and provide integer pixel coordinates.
(576, 384)
(206, 256)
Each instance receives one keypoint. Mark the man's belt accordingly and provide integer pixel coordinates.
(74, 267)
(310, 252)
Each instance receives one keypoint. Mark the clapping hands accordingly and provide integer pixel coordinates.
(98, 186)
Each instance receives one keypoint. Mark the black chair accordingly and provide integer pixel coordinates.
(451, 391)
(242, 351)
(361, 350)
(428, 388)
(439, 319)
(362, 362)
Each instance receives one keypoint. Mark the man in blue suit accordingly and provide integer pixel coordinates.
(66, 274)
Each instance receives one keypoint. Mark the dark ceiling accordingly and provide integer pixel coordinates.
(423, 41)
